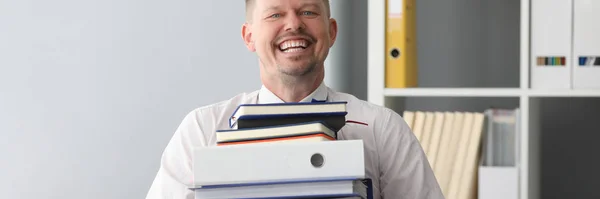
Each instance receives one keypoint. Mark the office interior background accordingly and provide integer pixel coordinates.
(92, 91)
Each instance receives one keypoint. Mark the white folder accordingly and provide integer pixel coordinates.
(278, 162)
(551, 44)
(586, 44)
(498, 182)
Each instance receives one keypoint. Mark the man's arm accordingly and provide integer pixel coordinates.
(405, 170)
(175, 174)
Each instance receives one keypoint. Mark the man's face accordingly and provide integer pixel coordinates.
(292, 37)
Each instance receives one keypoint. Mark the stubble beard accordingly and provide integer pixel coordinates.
(293, 76)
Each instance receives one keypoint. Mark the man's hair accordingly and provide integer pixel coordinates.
(250, 5)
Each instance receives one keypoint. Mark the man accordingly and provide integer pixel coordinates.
(292, 39)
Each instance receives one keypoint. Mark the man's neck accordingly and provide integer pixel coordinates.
(293, 91)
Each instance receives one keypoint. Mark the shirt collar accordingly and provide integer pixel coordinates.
(265, 96)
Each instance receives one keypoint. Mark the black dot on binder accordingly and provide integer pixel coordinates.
(395, 53)
(317, 160)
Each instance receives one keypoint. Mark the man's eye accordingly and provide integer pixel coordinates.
(308, 13)
(275, 16)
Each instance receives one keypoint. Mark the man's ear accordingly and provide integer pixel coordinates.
(333, 29)
(247, 37)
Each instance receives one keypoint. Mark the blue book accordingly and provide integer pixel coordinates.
(333, 114)
(325, 189)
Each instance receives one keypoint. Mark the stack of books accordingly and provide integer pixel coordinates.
(283, 122)
(284, 150)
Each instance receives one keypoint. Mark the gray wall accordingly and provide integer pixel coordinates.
(346, 66)
(569, 145)
(467, 43)
(92, 91)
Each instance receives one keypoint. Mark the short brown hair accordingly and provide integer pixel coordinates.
(250, 3)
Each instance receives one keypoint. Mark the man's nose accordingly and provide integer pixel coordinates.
(294, 23)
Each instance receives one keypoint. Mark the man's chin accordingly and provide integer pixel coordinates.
(297, 71)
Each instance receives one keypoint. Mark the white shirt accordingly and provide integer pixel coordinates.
(394, 158)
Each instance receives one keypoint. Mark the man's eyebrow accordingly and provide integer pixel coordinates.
(312, 4)
(304, 5)
(271, 8)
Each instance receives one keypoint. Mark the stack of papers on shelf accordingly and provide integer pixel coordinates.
(451, 141)
(472, 154)
(287, 150)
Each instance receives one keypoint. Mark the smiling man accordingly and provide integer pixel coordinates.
(291, 39)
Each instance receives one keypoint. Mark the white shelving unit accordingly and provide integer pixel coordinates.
(486, 92)
(453, 92)
(529, 99)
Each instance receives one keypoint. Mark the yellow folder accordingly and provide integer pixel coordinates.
(401, 44)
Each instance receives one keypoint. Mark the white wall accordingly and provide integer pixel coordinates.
(92, 90)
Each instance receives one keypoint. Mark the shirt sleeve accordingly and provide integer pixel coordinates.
(405, 170)
(175, 174)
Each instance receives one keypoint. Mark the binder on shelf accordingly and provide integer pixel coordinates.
(498, 173)
(468, 178)
(435, 139)
(498, 182)
(451, 149)
(586, 45)
(290, 162)
(400, 44)
(409, 118)
(441, 163)
(427, 131)
(459, 157)
(419, 125)
(551, 44)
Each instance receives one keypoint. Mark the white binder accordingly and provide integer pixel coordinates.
(551, 36)
(498, 182)
(586, 44)
(278, 162)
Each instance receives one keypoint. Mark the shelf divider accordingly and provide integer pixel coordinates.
(454, 92)
(486, 92)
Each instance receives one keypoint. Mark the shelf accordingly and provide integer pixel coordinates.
(475, 56)
(453, 92)
(486, 92)
(564, 93)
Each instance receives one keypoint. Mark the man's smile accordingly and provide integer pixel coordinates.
(294, 44)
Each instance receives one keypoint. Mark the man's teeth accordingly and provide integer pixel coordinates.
(291, 50)
(293, 44)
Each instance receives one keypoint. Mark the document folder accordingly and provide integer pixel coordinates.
(586, 45)
(498, 182)
(551, 45)
(278, 162)
(401, 44)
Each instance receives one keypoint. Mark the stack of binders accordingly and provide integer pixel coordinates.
(284, 150)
